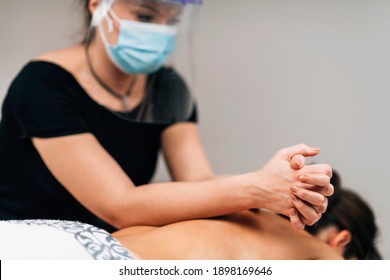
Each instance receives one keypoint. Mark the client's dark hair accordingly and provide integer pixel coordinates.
(347, 210)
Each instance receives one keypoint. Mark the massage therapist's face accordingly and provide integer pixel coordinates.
(145, 11)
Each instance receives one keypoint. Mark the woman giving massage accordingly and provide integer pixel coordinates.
(82, 128)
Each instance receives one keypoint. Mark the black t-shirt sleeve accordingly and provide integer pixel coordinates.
(174, 102)
(194, 115)
(43, 106)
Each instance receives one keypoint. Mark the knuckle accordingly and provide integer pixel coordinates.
(330, 189)
(328, 170)
(298, 203)
(320, 209)
(327, 180)
(322, 180)
(322, 201)
(298, 225)
(297, 157)
(303, 195)
(310, 197)
(294, 222)
(314, 219)
(303, 146)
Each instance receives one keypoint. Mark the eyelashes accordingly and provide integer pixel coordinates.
(148, 18)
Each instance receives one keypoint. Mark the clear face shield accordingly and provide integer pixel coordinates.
(154, 39)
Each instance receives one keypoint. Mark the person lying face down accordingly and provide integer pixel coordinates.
(346, 231)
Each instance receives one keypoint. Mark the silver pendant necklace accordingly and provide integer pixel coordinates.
(124, 98)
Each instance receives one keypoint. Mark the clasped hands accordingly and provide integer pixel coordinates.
(294, 189)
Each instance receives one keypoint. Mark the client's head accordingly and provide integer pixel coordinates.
(348, 224)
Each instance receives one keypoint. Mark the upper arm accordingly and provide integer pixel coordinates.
(184, 153)
(87, 171)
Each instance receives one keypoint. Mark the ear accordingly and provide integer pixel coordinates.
(99, 10)
(93, 4)
(340, 239)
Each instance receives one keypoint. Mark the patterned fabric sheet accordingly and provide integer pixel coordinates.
(55, 239)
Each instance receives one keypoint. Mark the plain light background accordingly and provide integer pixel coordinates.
(270, 74)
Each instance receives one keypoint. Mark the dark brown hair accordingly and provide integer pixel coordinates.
(87, 18)
(347, 210)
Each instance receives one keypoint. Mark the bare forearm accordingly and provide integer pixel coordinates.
(165, 203)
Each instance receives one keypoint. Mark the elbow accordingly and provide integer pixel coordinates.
(130, 210)
(114, 216)
(120, 222)
(116, 223)
(119, 218)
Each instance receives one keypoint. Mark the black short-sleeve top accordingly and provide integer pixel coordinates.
(44, 101)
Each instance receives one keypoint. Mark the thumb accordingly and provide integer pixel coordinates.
(297, 162)
(301, 149)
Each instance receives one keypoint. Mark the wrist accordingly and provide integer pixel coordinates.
(255, 190)
(267, 196)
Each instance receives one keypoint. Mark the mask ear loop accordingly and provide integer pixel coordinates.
(110, 27)
(101, 12)
(114, 15)
(98, 16)
(110, 24)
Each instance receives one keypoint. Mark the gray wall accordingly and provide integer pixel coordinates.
(270, 74)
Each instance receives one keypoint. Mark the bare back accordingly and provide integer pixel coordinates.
(245, 235)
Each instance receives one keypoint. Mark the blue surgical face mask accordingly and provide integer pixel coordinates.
(142, 48)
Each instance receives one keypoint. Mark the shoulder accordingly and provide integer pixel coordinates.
(168, 81)
(69, 59)
(48, 70)
(38, 79)
(173, 93)
(40, 84)
(169, 74)
(53, 65)
(171, 86)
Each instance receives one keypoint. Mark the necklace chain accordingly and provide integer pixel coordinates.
(124, 98)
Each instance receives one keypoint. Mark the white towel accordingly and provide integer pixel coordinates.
(57, 240)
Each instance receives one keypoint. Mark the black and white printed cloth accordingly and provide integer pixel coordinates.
(58, 240)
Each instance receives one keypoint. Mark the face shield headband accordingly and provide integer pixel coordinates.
(106, 5)
(182, 2)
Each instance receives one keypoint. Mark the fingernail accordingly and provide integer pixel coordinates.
(294, 189)
(298, 163)
(303, 178)
(315, 149)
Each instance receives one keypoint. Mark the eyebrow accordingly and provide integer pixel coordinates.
(154, 9)
(150, 7)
